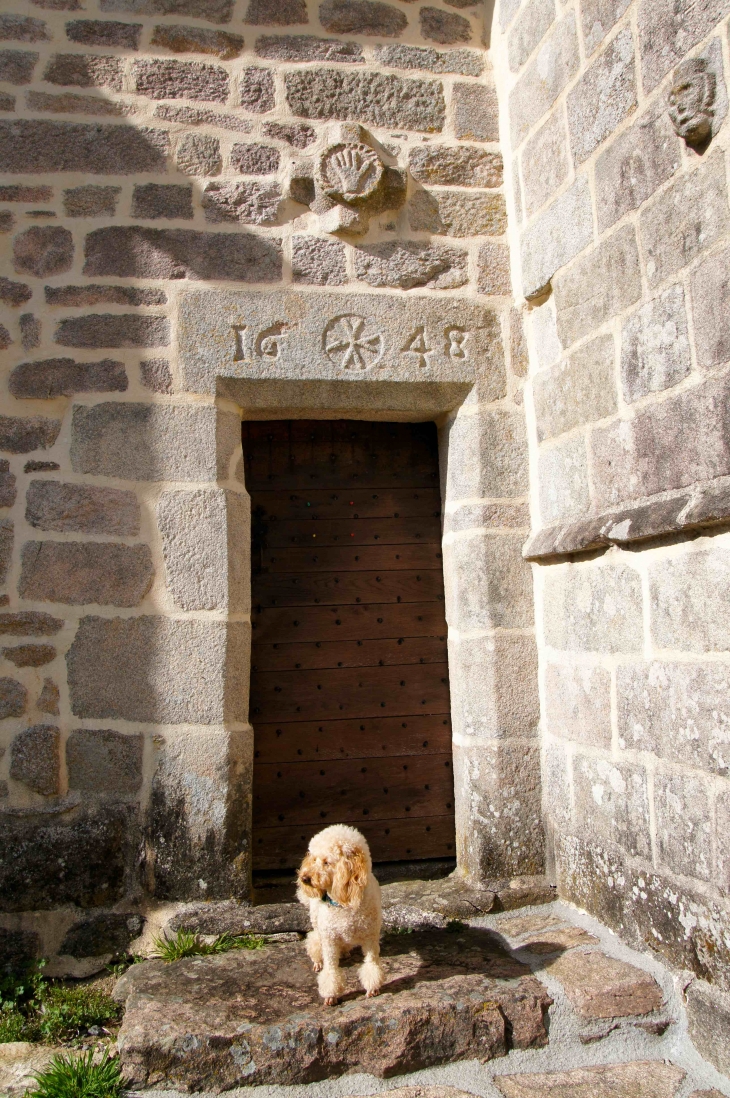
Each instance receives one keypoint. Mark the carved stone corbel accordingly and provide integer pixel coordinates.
(691, 101)
(348, 182)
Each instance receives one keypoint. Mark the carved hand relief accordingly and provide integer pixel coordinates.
(349, 173)
(691, 100)
(349, 182)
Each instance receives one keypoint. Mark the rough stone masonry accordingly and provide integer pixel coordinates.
(536, 199)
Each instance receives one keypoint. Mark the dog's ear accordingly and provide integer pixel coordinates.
(307, 886)
(350, 878)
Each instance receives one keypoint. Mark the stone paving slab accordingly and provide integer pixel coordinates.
(556, 941)
(640, 1079)
(19, 1063)
(427, 1092)
(253, 1017)
(599, 986)
(234, 918)
(518, 926)
(433, 903)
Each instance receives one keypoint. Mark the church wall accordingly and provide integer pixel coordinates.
(153, 149)
(620, 230)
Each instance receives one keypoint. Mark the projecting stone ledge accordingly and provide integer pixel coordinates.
(705, 506)
(253, 1017)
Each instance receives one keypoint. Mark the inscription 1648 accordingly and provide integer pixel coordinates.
(306, 336)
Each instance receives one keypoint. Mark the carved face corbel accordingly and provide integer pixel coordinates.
(348, 183)
(691, 99)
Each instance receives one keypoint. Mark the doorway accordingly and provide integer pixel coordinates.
(349, 675)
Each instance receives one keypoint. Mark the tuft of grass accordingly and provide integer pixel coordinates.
(34, 1009)
(186, 943)
(80, 1077)
(225, 942)
(454, 926)
(400, 930)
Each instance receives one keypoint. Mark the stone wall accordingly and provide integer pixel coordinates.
(154, 149)
(620, 230)
(173, 261)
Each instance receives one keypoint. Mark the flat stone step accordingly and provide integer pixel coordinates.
(414, 904)
(254, 1016)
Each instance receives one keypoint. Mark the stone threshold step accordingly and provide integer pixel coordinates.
(254, 1017)
(414, 904)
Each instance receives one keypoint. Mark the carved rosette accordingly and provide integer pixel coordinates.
(352, 342)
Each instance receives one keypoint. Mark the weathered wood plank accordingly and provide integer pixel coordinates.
(367, 653)
(363, 737)
(295, 589)
(317, 793)
(292, 454)
(350, 692)
(389, 841)
(350, 531)
(361, 503)
(376, 620)
(354, 558)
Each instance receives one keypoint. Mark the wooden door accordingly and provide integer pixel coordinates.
(349, 677)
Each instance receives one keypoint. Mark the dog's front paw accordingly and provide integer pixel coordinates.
(372, 994)
(317, 966)
(331, 1000)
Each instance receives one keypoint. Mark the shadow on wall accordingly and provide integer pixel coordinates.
(150, 669)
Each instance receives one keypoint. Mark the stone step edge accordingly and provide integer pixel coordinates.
(451, 902)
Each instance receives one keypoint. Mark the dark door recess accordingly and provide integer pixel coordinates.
(349, 679)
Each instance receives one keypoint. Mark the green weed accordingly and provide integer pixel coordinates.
(12, 1025)
(454, 926)
(225, 942)
(80, 1077)
(186, 943)
(20, 998)
(68, 1012)
(34, 1009)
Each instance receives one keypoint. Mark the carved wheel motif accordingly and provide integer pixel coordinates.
(351, 172)
(351, 343)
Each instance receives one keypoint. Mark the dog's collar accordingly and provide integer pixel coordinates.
(327, 899)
